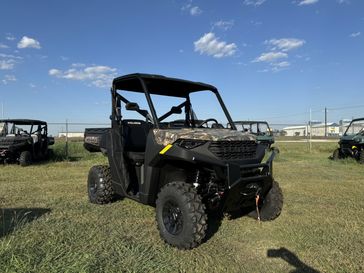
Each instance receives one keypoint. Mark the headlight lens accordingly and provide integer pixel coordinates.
(190, 143)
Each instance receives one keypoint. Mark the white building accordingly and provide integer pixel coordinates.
(71, 134)
(301, 130)
(333, 129)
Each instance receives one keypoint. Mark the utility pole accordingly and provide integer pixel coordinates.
(325, 122)
(67, 139)
(310, 130)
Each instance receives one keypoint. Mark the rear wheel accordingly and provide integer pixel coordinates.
(271, 206)
(25, 158)
(181, 216)
(99, 184)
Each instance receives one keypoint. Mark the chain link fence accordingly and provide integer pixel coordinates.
(69, 138)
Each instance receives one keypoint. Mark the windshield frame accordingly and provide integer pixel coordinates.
(117, 98)
(351, 123)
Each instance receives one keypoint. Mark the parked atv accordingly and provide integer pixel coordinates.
(351, 143)
(23, 141)
(260, 129)
(186, 169)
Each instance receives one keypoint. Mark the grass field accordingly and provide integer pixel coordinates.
(47, 224)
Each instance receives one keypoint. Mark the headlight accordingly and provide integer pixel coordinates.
(190, 143)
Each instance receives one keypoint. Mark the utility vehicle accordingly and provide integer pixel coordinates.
(185, 167)
(260, 129)
(351, 144)
(23, 141)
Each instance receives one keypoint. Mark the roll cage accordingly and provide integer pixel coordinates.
(36, 126)
(165, 86)
(352, 126)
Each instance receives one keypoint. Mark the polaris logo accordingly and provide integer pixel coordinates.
(134, 122)
(92, 140)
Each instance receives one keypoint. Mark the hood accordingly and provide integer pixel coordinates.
(354, 137)
(347, 137)
(168, 136)
(13, 140)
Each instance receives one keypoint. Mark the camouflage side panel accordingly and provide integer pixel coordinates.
(168, 136)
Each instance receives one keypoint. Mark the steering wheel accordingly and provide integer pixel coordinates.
(206, 121)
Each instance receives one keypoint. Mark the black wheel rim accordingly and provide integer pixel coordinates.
(172, 218)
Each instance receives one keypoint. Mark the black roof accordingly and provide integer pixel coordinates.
(250, 121)
(25, 121)
(357, 119)
(160, 85)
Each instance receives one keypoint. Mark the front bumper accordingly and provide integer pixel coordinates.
(247, 181)
(243, 179)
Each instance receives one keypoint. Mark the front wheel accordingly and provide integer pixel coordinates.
(99, 185)
(181, 216)
(336, 154)
(25, 158)
(361, 157)
(271, 206)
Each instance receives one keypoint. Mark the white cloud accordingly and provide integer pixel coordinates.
(8, 62)
(3, 46)
(54, 72)
(282, 64)
(224, 25)
(27, 42)
(307, 2)
(270, 57)
(193, 10)
(210, 45)
(8, 78)
(96, 75)
(255, 23)
(78, 65)
(253, 2)
(10, 37)
(32, 85)
(343, 1)
(285, 44)
(355, 34)
(276, 67)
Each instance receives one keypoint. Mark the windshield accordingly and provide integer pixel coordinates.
(11, 128)
(355, 127)
(198, 109)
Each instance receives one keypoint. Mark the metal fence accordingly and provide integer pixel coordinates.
(68, 136)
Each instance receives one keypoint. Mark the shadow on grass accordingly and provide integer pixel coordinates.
(12, 219)
(292, 259)
(214, 220)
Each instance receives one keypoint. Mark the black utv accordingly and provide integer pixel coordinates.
(23, 141)
(186, 169)
(351, 143)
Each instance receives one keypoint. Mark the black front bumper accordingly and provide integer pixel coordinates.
(246, 181)
(243, 179)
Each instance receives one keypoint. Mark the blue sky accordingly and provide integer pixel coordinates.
(270, 59)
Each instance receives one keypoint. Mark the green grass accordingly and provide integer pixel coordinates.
(321, 226)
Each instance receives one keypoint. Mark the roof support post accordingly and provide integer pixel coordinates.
(150, 103)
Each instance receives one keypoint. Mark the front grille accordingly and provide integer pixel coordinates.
(9, 141)
(234, 150)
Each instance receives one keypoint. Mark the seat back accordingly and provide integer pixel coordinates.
(135, 134)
